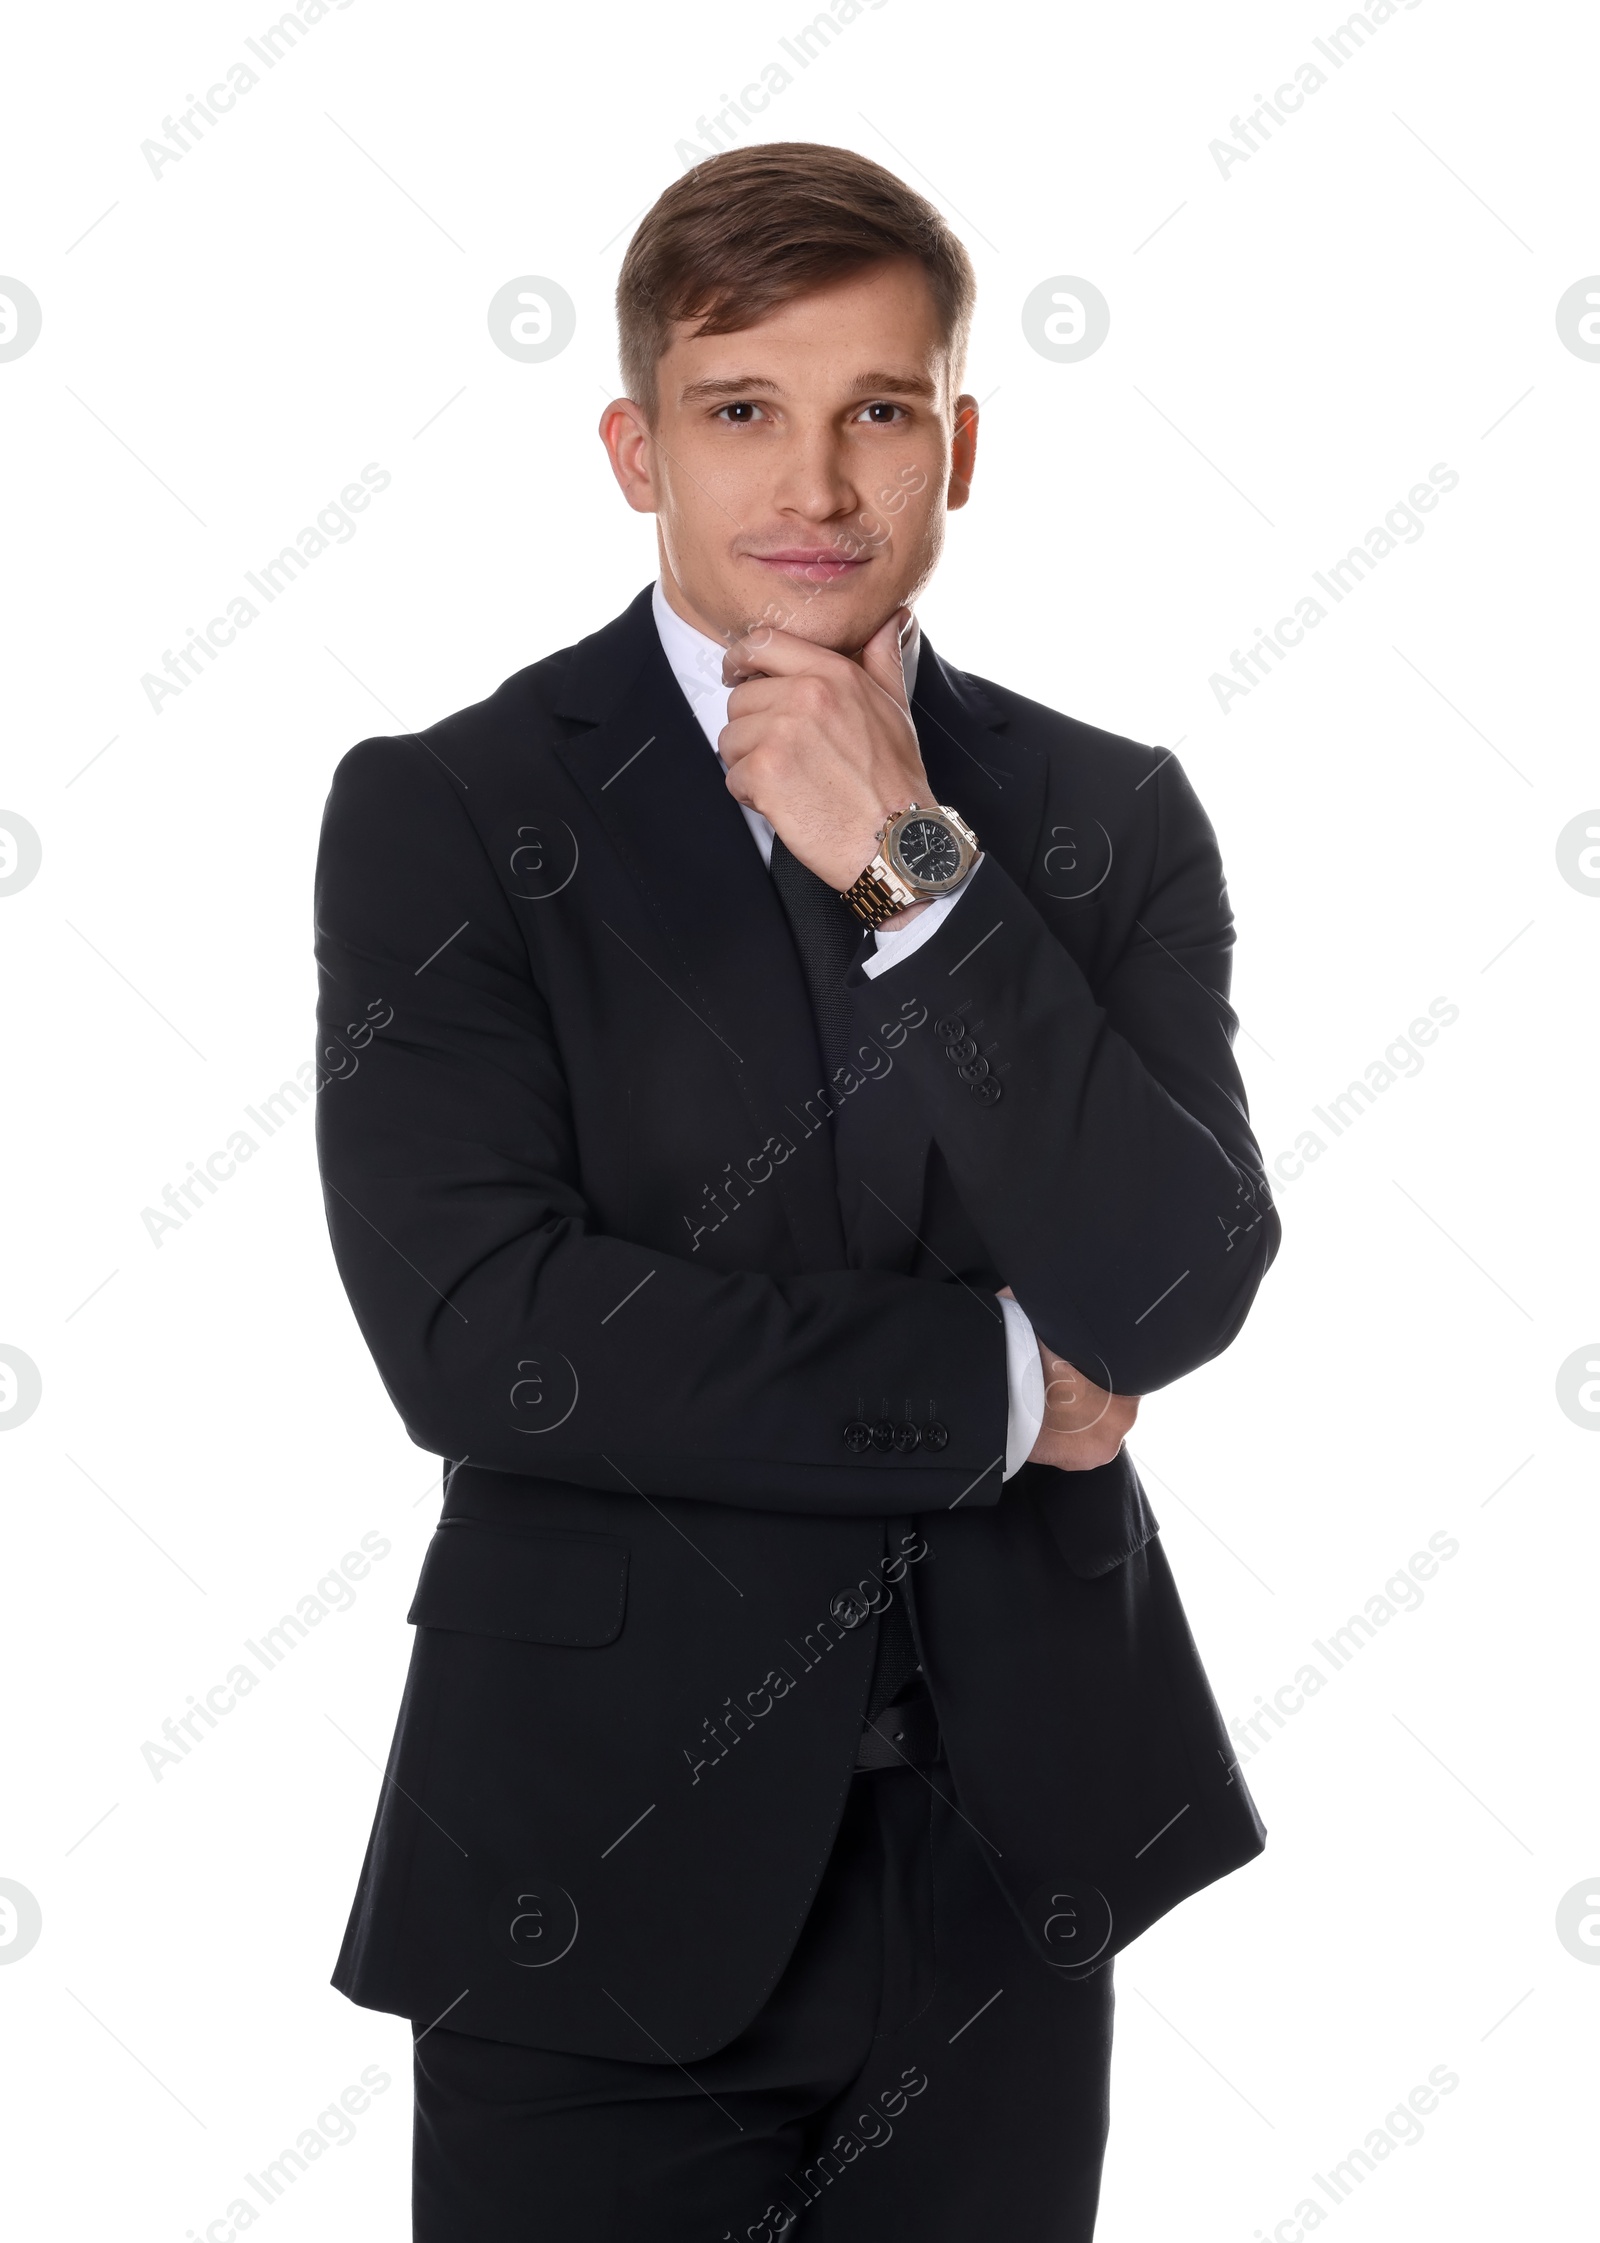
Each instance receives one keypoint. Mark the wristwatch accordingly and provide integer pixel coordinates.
(922, 852)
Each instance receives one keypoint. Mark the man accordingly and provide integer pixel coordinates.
(807, 1121)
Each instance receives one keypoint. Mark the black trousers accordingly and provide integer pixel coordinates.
(916, 2073)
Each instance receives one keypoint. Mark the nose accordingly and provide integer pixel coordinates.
(815, 482)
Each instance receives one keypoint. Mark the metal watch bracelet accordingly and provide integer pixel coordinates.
(876, 894)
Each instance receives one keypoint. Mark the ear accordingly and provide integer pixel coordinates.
(625, 433)
(963, 451)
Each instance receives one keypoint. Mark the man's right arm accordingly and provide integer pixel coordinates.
(492, 1305)
(1057, 1416)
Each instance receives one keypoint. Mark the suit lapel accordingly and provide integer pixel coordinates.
(996, 783)
(722, 945)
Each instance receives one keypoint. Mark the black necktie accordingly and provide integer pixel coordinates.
(895, 1666)
(827, 935)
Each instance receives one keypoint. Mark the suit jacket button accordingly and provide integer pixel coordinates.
(883, 1433)
(906, 1438)
(935, 1435)
(857, 1436)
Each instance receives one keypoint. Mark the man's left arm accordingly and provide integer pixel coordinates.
(1100, 1139)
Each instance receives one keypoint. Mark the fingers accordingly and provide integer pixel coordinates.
(1084, 1448)
(808, 693)
(1078, 1452)
(754, 696)
(762, 724)
(737, 740)
(766, 651)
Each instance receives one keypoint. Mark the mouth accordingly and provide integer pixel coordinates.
(812, 564)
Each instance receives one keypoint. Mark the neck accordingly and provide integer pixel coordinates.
(685, 610)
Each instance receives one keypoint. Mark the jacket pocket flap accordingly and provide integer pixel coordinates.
(1096, 1519)
(534, 1585)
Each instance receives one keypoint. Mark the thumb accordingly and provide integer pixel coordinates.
(880, 657)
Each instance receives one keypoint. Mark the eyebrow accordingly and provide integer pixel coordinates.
(896, 385)
(864, 385)
(739, 386)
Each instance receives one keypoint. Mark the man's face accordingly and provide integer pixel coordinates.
(800, 470)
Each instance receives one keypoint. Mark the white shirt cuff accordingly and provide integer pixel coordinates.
(1024, 1386)
(899, 942)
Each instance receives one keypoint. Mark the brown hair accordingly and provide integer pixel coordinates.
(754, 228)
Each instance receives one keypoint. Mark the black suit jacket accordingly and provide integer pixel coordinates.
(701, 1342)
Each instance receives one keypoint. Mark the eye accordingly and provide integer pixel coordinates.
(740, 414)
(881, 413)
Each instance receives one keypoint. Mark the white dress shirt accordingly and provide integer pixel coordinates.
(696, 663)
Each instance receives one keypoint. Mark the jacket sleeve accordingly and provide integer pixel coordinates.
(453, 1188)
(1099, 1136)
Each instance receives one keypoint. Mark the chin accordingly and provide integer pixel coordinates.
(841, 634)
(841, 617)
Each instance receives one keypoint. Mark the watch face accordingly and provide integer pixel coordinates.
(928, 852)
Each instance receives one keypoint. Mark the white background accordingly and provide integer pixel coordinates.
(1300, 341)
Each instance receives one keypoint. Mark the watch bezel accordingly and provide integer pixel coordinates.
(885, 887)
(965, 839)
